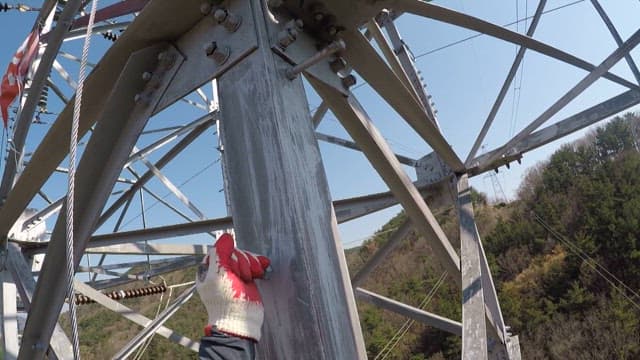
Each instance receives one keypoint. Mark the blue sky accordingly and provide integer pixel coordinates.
(464, 80)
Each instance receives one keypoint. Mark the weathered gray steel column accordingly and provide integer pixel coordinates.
(281, 206)
(9, 328)
(474, 332)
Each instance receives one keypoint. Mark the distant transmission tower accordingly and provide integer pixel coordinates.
(498, 192)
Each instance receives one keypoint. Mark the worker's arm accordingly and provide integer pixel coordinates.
(225, 282)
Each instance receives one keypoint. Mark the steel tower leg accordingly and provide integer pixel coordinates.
(281, 206)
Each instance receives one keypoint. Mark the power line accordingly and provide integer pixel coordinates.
(599, 269)
(169, 193)
(505, 25)
(395, 339)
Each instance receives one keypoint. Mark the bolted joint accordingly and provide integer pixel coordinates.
(205, 8)
(141, 99)
(167, 59)
(219, 54)
(290, 32)
(230, 21)
(348, 81)
(331, 49)
(338, 65)
(287, 36)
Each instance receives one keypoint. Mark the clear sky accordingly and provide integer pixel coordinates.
(464, 80)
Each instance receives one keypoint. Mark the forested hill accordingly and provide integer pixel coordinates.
(565, 257)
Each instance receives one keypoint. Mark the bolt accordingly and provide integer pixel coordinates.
(287, 36)
(205, 8)
(230, 21)
(146, 76)
(141, 99)
(161, 56)
(332, 30)
(348, 81)
(338, 65)
(218, 53)
(318, 16)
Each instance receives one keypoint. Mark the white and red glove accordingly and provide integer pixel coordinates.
(225, 282)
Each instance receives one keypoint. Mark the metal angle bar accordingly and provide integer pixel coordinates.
(408, 63)
(505, 86)
(363, 131)
(138, 263)
(174, 189)
(107, 283)
(162, 232)
(317, 117)
(139, 154)
(366, 61)
(165, 203)
(134, 316)
(196, 104)
(44, 197)
(101, 271)
(609, 62)
(147, 28)
(81, 33)
(26, 285)
(64, 74)
(151, 249)
(616, 37)
(474, 329)
(494, 312)
(150, 329)
(203, 96)
(57, 91)
(121, 8)
(9, 316)
(389, 54)
(353, 208)
(383, 253)
(560, 129)
(23, 122)
(106, 152)
(453, 17)
(63, 170)
(352, 145)
(438, 322)
(165, 129)
(42, 215)
(172, 153)
(72, 57)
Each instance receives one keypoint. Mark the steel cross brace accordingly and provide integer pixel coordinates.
(356, 122)
(107, 151)
(132, 315)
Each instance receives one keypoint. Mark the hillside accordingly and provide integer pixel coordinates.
(565, 256)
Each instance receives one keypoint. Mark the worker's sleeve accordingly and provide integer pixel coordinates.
(221, 346)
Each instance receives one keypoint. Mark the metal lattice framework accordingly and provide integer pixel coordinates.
(277, 197)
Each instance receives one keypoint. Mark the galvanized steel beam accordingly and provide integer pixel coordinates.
(363, 131)
(108, 149)
(558, 130)
(474, 335)
(366, 61)
(505, 86)
(135, 317)
(438, 322)
(453, 17)
(512, 145)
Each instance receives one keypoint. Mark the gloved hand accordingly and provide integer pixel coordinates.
(225, 282)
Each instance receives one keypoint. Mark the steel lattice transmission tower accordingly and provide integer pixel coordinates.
(278, 198)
